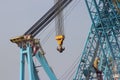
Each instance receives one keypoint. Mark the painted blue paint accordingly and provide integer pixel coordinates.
(103, 40)
(41, 58)
(22, 64)
(27, 53)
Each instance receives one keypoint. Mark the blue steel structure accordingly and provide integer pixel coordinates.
(103, 42)
(26, 51)
(30, 47)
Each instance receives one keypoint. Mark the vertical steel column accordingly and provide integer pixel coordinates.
(26, 53)
(22, 64)
(30, 62)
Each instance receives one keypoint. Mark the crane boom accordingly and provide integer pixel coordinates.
(31, 47)
(42, 22)
(47, 18)
(100, 57)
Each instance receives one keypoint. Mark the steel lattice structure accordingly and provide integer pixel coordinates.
(102, 45)
(103, 41)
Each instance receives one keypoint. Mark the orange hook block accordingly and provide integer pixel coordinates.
(60, 39)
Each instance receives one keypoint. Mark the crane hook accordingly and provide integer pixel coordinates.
(60, 39)
(60, 49)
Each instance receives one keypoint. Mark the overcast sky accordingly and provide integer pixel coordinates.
(17, 16)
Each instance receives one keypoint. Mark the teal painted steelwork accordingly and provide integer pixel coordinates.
(44, 64)
(26, 47)
(103, 41)
(26, 51)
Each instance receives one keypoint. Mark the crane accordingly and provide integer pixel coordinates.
(101, 55)
(59, 26)
(102, 50)
(30, 47)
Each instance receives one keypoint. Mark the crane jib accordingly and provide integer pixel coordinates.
(47, 18)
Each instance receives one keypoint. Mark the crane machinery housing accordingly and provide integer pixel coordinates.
(101, 55)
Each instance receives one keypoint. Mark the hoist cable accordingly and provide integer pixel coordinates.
(66, 74)
(41, 19)
(59, 21)
(47, 18)
(51, 17)
(70, 10)
(59, 27)
(71, 76)
(75, 3)
(70, 69)
(47, 37)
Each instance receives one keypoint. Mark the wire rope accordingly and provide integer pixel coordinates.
(65, 17)
(71, 70)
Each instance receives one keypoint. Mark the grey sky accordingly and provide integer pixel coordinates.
(17, 16)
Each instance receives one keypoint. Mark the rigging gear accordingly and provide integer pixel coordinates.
(103, 41)
(31, 47)
(59, 26)
(47, 17)
(60, 39)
